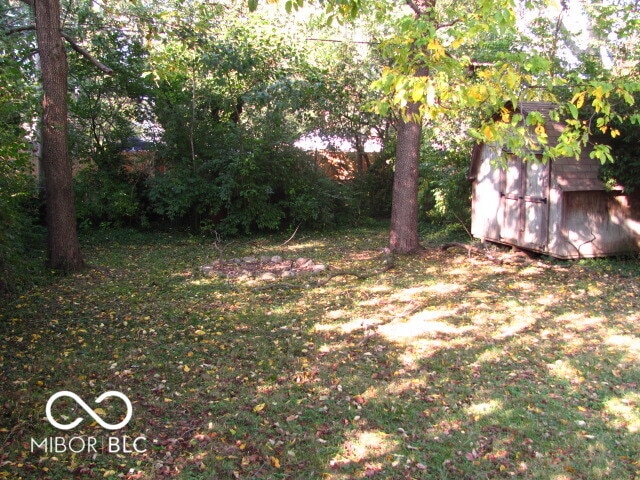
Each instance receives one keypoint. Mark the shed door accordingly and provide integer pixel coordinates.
(524, 191)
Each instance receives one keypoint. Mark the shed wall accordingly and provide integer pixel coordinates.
(583, 219)
(485, 195)
(596, 224)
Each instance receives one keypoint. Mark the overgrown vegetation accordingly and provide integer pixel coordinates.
(445, 366)
(19, 199)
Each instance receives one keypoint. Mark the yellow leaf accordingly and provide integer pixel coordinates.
(186, 368)
(275, 462)
(487, 131)
(100, 411)
(598, 92)
(578, 99)
(437, 48)
(259, 408)
(418, 93)
(457, 43)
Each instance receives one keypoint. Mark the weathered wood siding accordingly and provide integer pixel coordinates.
(560, 208)
(596, 224)
(485, 194)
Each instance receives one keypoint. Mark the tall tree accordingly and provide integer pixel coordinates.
(63, 245)
(420, 70)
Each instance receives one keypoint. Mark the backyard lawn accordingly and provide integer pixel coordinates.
(246, 361)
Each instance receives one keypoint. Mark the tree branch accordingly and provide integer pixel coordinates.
(82, 51)
(24, 28)
(414, 7)
(85, 53)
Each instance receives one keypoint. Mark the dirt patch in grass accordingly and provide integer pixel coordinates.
(266, 268)
(447, 365)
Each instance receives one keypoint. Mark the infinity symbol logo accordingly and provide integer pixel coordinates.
(94, 415)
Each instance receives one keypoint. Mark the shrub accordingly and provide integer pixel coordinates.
(445, 191)
(105, 198)
(373, 188)
(19, 232)
(258, 189)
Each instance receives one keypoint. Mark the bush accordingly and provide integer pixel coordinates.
(258, 189)
(19, 232)
(105, 198)
(445, 191)
(373, 189)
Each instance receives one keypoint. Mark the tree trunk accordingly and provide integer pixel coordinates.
(403, 237)
(63, 247)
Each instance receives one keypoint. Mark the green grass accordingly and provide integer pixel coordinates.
(445, 366)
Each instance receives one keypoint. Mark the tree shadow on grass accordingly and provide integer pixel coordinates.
(442, 368)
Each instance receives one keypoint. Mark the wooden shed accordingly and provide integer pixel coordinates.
(560, 208)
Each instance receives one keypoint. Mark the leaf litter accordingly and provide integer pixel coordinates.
(443, 365)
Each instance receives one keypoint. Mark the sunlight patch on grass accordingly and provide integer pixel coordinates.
(626, 412)
(318, 243)
(336, 314)
(488, 318)
(525, 286)
(579, 321)
(484, 408)
(407, 294)
(564, 370)
(628, 343)
(351, 326)
(444, 288)
(203, 281)
(424, 323)
(491, 355)
(515, 327)
(406, 385)
(368, 444)
(547, 300)
(333, 347)
(380, 289)
(359, 324)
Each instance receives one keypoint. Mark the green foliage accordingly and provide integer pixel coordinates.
(19, 233)
(106, 198)
(373, 188)
(445, 192)
(259, 190)
(18, 190)
(625, 148)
